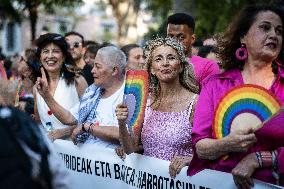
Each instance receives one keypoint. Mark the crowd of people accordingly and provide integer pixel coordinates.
(73, 89)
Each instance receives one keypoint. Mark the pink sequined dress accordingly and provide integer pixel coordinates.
(166, 134)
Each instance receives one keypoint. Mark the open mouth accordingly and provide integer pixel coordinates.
(51, 63)
(271, 45)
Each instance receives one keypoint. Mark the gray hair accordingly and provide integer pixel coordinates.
(113, 57)
(186, 77)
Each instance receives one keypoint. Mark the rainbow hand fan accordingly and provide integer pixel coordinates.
(246, 105)
(135, 97)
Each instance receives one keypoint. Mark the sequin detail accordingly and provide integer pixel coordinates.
(165, 134)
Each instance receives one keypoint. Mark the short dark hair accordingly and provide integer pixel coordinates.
(29, 107)
(60, 41)
(106, 44)
(127, 48)
(90, 42)
(75, 33)
(182, 19)
(205, 50)
(93, 49)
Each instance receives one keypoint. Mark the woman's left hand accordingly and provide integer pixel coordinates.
(243, 171)
(177, 163)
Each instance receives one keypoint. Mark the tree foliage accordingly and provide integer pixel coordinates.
(16, 8)
(211, 16)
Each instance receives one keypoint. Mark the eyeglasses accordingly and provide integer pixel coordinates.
(76, 44)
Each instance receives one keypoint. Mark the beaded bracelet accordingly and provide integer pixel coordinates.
(266, 158)
(258, 157)
(93, 125)
(275, 171)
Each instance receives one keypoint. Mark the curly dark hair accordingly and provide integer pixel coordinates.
(58, 40)
(229, 42)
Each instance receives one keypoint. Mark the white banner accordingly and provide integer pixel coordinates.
(92, 167)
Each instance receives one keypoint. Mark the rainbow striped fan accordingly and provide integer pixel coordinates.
(243, 106)
(135, 97)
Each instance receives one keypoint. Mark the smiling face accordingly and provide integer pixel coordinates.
(52, 58)
(102, 73)
(166, 65)
(264, 38)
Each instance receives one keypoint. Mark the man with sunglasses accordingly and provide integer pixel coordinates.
(76, 47)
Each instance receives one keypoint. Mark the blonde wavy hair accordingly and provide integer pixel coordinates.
(186, 77)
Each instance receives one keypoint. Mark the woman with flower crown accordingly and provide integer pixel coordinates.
(166, 131)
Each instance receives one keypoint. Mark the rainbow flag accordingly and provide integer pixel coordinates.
(135, 97)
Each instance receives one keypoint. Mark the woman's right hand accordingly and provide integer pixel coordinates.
(240, 141)
(75, 132)
(121, 112)
(42, 84)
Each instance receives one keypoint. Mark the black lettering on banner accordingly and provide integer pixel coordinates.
(116, 171)
(191, 186)
(178, 184)
(155, 184)
(139, 181)
(172, 184)
(78, 164)
(67, 162)
(160, 182)
(122, 173)
(149, 181)
(84, 166)
(143, 180)
(108, 170)
(96, 168)
(203, 187)
(166, 179)
(89, 170)
(73, 163)
(132, 177)
(127, 174)
(102, 166)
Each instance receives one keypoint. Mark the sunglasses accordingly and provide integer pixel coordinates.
(76, 44)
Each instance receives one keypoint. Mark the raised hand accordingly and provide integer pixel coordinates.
(42, 84)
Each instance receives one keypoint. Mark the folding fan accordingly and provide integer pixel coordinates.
(135, 97)
(247, 104)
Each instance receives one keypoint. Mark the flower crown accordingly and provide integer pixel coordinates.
(151, 45)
